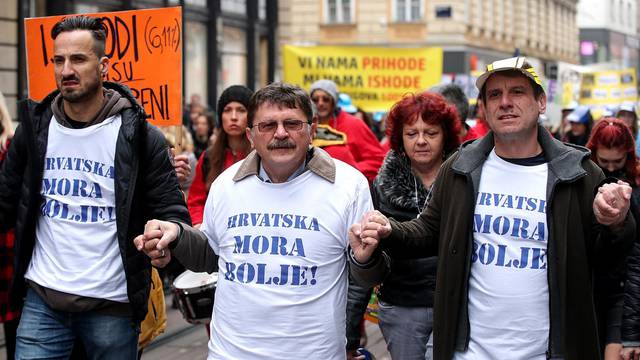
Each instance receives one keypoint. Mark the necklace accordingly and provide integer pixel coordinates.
(426, 200)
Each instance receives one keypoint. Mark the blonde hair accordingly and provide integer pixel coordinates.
(6, 126)
(187, 140)
(170, 137)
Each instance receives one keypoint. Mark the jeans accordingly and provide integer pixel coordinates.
(405, 329)
(429, 354)
(45, 333)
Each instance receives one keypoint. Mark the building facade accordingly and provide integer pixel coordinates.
(472, 33)
(10, 33)
(609, 32)
(226, 42)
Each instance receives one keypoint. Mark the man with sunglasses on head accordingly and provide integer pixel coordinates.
(362, 143)
(519, 222)
(279, 222)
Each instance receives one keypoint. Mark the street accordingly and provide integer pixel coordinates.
(182, 340)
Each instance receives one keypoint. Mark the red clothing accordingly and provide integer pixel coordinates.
(198, 191)
(385, 144)
(342, 153)
(471, 135)
(479, 130)
(362, 143)
(6, 267)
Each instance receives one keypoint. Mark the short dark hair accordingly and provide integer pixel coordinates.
(81, 22)
(280, 94)
(537, 89)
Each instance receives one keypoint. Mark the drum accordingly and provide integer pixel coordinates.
(195, 293)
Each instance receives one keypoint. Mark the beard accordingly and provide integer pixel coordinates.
(519, 134)
(80, 94)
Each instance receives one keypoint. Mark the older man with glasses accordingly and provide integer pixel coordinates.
(279, 221)
(519, 222)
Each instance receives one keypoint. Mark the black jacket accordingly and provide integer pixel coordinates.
(410, 282)
(630, 328)
(146, 187)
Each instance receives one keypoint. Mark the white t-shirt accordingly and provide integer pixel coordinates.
(282, 285)
(76, 248)
(508, 288)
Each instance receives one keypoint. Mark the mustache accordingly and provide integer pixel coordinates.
(281, 144)
(70, 78)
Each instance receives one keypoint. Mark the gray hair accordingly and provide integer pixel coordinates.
(454, 95)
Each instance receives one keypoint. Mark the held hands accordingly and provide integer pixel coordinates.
(611, 204)
(365, 236)
(630, 353)
(354, 355)
(155, 241)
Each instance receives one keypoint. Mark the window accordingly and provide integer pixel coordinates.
(195, 59)
(198, 3)
(613, 9)
(234, 6)
(233, 57)
(407, 10)
(339, 11)
(443, 11)
(262, 10)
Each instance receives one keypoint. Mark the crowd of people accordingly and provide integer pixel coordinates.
(500, 240)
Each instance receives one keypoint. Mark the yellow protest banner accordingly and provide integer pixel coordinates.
(145, 51)
(611, 87)
(375, 78)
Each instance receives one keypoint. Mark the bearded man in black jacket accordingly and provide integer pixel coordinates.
(84, 173)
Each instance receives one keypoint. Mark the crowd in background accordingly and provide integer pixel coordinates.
(400, 152)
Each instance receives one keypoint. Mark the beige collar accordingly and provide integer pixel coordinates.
(320, 164)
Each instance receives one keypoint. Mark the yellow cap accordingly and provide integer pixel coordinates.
(515, 63)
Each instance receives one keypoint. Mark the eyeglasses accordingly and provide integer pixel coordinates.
(289, 125)
(316, 99)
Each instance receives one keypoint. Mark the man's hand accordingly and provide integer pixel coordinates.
(159, 258)
(365, 237)
(630, 353)
(354, 355)
(155, 241)
(611, 204)
(182, 167)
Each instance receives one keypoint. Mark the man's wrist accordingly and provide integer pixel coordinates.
(367, 264)
(174, 243)
(616, 226)
(630, 343)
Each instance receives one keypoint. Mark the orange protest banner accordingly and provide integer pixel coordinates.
(145, 51)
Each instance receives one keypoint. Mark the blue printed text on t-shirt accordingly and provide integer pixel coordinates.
(271, 245)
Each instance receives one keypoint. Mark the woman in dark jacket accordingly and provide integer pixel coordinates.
(422, 129)
(613, 149)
